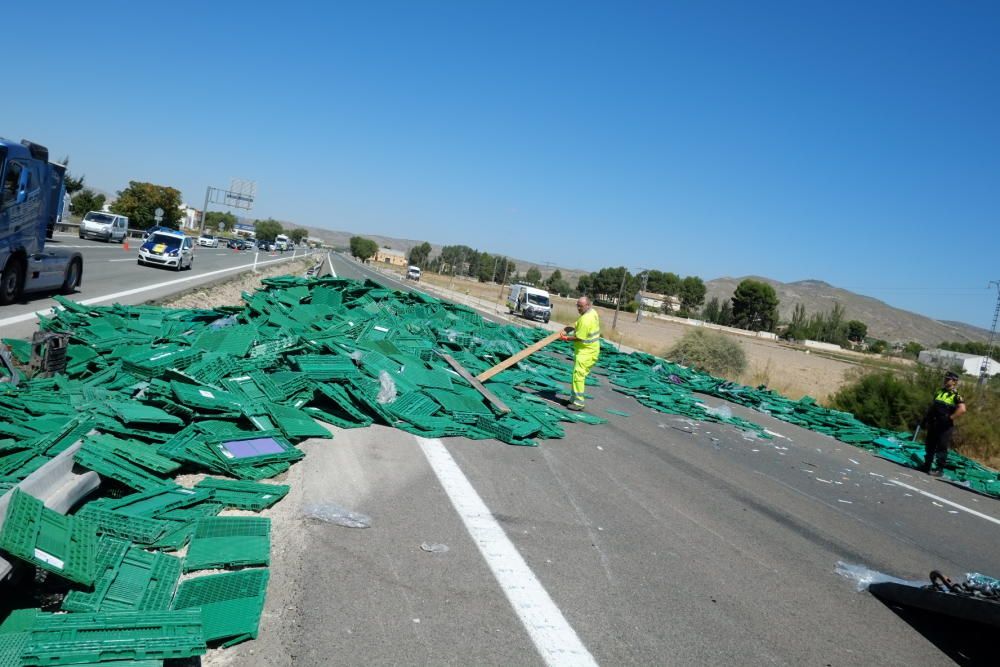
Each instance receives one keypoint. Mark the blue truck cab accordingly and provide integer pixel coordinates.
(31, 200)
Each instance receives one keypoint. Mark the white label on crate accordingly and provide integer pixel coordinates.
(382, 329)
(50, 559)
(160, 356)
(206, 394)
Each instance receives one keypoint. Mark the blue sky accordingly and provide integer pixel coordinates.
(852, 142)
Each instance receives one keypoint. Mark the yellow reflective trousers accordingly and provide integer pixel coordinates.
(585, 351)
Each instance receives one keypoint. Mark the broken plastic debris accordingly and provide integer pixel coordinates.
(864, 577)
(434, 548)
(387, 390)
(331, 513)
(721, 411)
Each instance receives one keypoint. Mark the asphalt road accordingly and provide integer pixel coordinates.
(111, 275)
(650, 540)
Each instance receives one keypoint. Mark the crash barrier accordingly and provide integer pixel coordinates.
(149, 393)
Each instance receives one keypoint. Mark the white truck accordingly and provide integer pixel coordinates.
(31, 199)
(529, 302)
(413, 273)
(282, 242)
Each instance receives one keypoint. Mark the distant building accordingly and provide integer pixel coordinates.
(190, 217)
(390, 256)
(653, 301)
(969, 363)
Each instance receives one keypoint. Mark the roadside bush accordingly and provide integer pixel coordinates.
(711, 352)
(884, 400)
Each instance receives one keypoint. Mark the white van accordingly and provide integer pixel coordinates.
(105, 226)
(413, 273)
(529, 302)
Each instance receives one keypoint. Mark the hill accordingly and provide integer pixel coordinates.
(884, 321)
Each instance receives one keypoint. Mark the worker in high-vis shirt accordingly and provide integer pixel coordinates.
(586, 338)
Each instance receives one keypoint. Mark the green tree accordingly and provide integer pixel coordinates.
(912, 350)
(755, 306)
(799, 327)
(267, 229)
(215, 218)
(419, 254)
(298, 234)
(584, 285)
(85, 201)
(711, 311)
(71, 184)
(663, 282)
(711, 352)
(362, 248)
(139, 202)
(692, 294)
(533, 276)
(878, 346)
(556, 284)
(856, 330)
(726, 314)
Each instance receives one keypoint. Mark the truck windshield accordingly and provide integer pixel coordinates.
(538, 299)
(99, 217)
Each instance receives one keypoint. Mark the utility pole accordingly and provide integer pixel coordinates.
(985, 368)
(642, 291)
(618, 304)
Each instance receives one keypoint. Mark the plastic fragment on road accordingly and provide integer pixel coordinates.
(335, 514)
(64, 545)
(230, 603)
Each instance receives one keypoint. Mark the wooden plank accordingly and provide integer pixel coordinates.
(510, 361)
(476, 384)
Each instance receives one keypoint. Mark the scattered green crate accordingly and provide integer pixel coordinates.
(230, 603)
(65, 545)
(229, 541)
(70, 639)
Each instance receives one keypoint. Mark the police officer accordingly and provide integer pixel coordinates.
(948, 406)
(586, 338)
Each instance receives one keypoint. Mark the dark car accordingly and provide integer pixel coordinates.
(238, 244)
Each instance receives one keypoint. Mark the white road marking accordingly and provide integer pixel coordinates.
(556, 641)
(25, 317)
(948, 502)
(127, 259)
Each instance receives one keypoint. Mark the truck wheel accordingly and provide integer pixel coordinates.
(12, 281)
(72, 279)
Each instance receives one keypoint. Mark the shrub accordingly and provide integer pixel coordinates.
(711, 352)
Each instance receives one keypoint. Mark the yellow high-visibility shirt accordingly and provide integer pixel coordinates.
(588, 331)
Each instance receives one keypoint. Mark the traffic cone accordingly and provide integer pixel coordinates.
(125, 244)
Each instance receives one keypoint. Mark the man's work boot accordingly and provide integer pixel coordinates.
(935, 473)
(575, 407)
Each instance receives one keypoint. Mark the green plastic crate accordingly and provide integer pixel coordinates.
(230, 603)
(65, 545)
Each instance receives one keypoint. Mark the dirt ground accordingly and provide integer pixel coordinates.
(790, 370)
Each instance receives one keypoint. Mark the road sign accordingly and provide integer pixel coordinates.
(158, 215)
